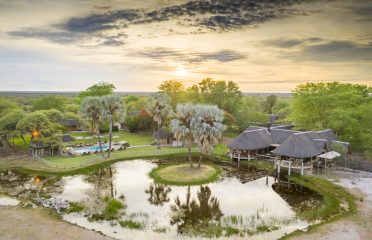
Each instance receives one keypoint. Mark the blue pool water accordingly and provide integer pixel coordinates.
(91, 148)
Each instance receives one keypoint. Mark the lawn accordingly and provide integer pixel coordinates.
(130, 153)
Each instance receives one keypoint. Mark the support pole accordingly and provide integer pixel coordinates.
(239, 158)
(302, 167)
(289, 169)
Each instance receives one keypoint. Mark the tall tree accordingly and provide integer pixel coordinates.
(269, 103)
(91, 110)
(159, 108)
(209, 128)
(331, 105)
(38, 122)
(175, 90)
(113, 110)
(8, 124)
(98, 90)
(183, 125)
(249, 112)
(225, 94)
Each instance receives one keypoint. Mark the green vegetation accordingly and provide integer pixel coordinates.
(75, 207)
(345, 108)
(184, 176)
(112, 210)
(131, 224)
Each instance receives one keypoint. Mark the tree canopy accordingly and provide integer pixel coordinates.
(338, 106)
(100, 89)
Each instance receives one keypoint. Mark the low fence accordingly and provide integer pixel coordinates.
(356, 162)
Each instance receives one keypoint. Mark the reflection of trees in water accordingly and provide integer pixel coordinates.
(103, 185)
(195, 214)
(158, 194)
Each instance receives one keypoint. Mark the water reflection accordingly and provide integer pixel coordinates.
(239, 200)
(158, 194)
(192, 215)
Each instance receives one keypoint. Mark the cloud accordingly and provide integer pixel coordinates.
(289, 43)
(338, 51)
(216, 15)
(164, 54)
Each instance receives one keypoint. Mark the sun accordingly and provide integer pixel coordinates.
(180, 71)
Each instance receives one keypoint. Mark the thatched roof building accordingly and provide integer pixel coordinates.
(252, 140)
(164, 136)
(280, 135)
(298, 145)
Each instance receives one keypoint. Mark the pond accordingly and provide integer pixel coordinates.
(231, 206)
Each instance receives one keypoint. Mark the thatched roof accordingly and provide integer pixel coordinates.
(288, 127)
(39, 145)
(321, 144)
(251, 128)
(163, 134)
(252, 140)
(327, 134)
(280, 135)
(298, 145)
(67, 138)
(69, 122)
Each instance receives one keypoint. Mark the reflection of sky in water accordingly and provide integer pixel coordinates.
(131, 179)
(7, 201)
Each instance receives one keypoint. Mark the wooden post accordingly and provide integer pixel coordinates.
(231, 154)
(302, 166)
(267, 180)
(239, 158)
(280, 163)
(249, 156)
(289, 168)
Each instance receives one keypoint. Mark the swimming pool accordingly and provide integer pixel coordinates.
(90, 149)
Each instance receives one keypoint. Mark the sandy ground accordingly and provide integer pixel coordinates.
(355, 227)
(24, 224)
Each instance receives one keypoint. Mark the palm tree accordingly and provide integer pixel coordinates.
(113, 110)
(209, 128)
(159, 108)
(183, 125)
(91, 110)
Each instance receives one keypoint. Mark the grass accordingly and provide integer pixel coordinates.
(112, 210)
(337, 203)
(131, 224)
(75, 207)
(183, 175)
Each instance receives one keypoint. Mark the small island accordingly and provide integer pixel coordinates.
(183, 175)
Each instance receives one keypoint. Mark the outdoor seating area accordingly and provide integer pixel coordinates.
(88, 149)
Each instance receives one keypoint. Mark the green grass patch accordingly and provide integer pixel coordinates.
(337, 202)
(183, 175)
(131, 224)
(75, 207)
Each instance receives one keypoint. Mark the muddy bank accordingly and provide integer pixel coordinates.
(24, 224)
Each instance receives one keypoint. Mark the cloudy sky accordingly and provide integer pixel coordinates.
(264, 45)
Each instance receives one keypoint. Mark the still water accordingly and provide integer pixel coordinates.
(256, 208)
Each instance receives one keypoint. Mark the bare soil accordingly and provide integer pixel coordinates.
(24, 224)
(357, 226)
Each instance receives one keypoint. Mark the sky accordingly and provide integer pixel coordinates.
(264, 45)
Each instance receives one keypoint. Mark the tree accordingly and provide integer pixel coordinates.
(175, 90)
(36, 121)
(269, 103)
(100, 89)
(225, 94)
(113, 110)
(53, 115)
(7, 105)
(91, 110)
(48, 102)
(332, 105)
(183, 126)
(8, 124)
(249, 112)
(159, 108)
(208, 128)
(73, 108)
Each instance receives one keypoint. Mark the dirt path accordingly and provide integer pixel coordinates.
(356, 227)
(24, 224)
